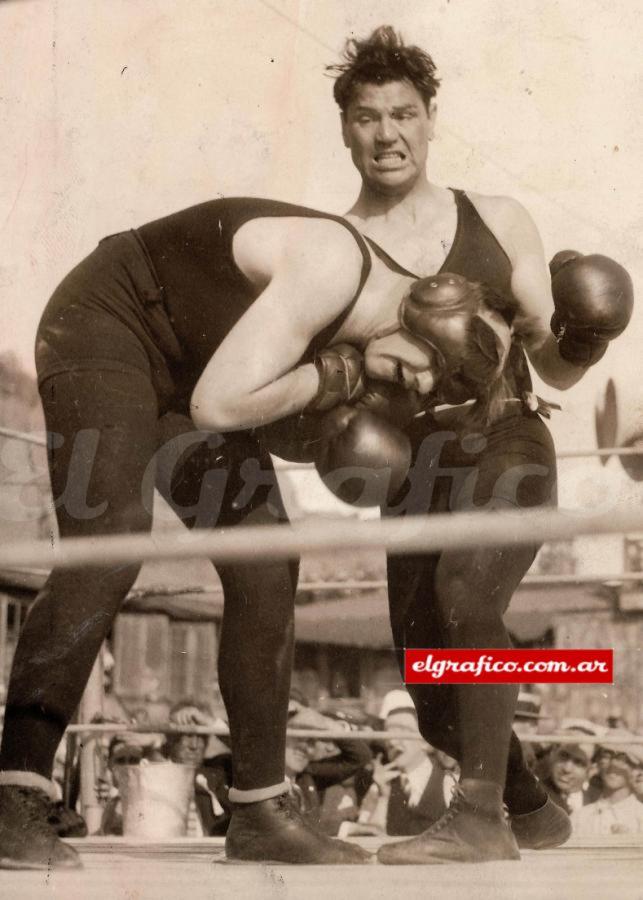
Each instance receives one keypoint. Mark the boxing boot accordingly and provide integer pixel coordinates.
(27, 840)
(66, 822)
(275, 831)
(547, 827)
(472, 830)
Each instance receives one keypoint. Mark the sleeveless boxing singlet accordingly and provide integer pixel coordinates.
(477, 255)
(204, 292)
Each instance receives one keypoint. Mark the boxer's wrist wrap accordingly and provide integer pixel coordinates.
(579, 346)
(340, 371)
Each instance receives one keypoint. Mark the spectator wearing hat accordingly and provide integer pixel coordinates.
(314, 765)
(527, 714)
(210, 809)
(410, 790)
(526, 721)
(567, 781)
(566, 768)
(617, 810)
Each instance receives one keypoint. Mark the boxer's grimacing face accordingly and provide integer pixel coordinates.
(387, 128)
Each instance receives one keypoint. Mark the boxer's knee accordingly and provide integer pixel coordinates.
(473, 591)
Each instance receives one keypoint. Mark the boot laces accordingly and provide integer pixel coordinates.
(288, 805)
(459, 802)
(457, 805)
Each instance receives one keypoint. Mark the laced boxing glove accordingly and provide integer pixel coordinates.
(362, 455)
(341, 377)
(390, 401)
(341, 380)
(593, 300)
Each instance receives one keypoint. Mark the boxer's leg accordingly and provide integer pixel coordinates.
(471, 592)
(415, 623)
(102, 428)
(226, 482)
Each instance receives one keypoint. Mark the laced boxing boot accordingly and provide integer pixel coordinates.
(27, 839)
(473, 829)
(275, 831)
(547, 827)
(66, 822)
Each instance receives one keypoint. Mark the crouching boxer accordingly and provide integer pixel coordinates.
(160, 357)
(360, 447)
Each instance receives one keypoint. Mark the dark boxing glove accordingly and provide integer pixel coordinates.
(593, 299)
(341, 372)
(390, 401)
(362, 454)
(362, 458)
(293, 438)
(299, 438)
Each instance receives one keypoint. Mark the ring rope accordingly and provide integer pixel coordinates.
(327, 587)
(576, 578)
(399, 536)
(338, 734)
(41, 441)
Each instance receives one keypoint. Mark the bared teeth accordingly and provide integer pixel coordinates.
(384, 157)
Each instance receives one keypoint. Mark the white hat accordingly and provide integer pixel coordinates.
(584, 726)
(395, 701)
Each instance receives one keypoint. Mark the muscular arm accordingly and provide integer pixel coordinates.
(253, 377)
(531, 286)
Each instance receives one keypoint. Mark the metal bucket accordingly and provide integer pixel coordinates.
(156, 798)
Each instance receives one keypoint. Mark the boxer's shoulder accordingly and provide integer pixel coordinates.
(510, 223)
(267, 245)
(504, 211)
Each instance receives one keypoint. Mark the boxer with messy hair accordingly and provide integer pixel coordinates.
(381, 58)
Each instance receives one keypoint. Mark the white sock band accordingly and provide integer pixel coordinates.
(30, 780)
(238, 796)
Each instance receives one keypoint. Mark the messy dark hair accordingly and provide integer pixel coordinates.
(381, 58)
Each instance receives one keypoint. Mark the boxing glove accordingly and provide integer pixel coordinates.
(561, 259)
(361, 457)
(296, 438)
(292, 438)
(593, 300)
(340, 369)
(390, 401)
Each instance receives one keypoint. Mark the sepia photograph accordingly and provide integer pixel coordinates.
(321, 449)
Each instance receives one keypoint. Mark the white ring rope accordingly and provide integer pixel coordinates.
(41, 441)
(399, 536)
(576, 578)
(337, 734)
(354, 585)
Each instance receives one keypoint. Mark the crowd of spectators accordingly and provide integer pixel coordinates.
(391, 786)
(598, 784)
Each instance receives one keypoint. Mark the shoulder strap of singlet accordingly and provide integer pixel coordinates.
(271, 208)
(394, 266)
(468, 217)
(387, 259)
(326, 334)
